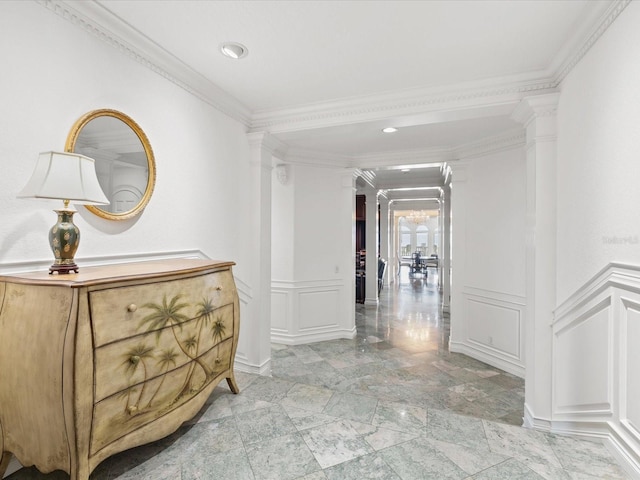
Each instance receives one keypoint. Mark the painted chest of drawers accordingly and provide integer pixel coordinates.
(97, 362)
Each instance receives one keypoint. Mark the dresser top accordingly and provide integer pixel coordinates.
(119, 272)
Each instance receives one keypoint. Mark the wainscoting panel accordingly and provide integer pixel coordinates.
(583, 359)
(596, 363)
(279, 310)
(630, 402)
(494, 329)
(318, 309)
(305, 312)
(494, 326)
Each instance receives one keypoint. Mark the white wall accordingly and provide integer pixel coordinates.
(55, 72)
(598, 157)
(488, 233)
(596, 327)
(313, 297)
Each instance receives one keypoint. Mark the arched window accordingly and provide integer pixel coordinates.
(422, 239)
(405, 241)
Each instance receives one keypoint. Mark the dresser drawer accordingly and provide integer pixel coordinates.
(123, 312)
(121, 364)
(145, 402)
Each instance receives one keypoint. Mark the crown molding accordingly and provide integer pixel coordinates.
(268, 142)
(583, 40)
(536, 107)
(300, 156)
(501, 90)
(403, 157)
(505, 141)
(369, 178)
(462, 96)
(96, 20)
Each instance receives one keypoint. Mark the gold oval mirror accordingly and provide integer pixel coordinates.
(125, 164)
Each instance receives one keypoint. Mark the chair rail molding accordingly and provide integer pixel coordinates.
(596, 364)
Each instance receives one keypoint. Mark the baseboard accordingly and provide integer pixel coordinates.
(620, 449)
(304, 338)
(614, 438)
(241, 364)
(488, 358)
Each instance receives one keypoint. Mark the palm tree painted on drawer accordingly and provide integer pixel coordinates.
(134, 359)
(169, 316)
(166, 359)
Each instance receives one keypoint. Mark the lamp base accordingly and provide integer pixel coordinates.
(63, 269)
(64, 238)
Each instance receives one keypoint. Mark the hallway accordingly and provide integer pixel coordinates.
(390, 404)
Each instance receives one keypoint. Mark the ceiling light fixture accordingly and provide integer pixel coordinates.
(234, 50)
(389, 130)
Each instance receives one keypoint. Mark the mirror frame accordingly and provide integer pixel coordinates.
(151, 163)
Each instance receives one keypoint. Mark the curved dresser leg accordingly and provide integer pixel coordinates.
(79, 470)
(232, 383)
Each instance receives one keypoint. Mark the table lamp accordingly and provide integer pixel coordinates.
(69, 177)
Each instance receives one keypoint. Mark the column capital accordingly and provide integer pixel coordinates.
(268, 143)
(458, 170)
(349, 177)
(536, 106)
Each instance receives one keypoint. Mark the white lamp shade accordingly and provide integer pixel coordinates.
(65, 176)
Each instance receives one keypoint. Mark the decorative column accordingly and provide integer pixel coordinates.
(371, 233)
(392, 265)
(445, 255)
(256, 328)
(538, 115)
(458, 313)
(384, 233)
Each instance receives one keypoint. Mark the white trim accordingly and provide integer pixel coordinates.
(615, 274)
(97, 20)
(312, 336)
(484, 354)
(241, 364)
(530, 420)
(9, 268)
(613, 438)
(510, 362)
(609, 296)
(290, 332)
(100, 22)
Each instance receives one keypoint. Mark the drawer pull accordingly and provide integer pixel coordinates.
(218, 360)
(134, 359)
(219, 287)
(132, 308)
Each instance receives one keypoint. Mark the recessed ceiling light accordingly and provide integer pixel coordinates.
(405, 170)
(234, 50)
(390, 130)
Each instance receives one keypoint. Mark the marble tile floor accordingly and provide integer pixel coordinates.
(392, 403)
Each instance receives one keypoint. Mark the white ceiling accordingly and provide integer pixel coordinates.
(326, 76)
